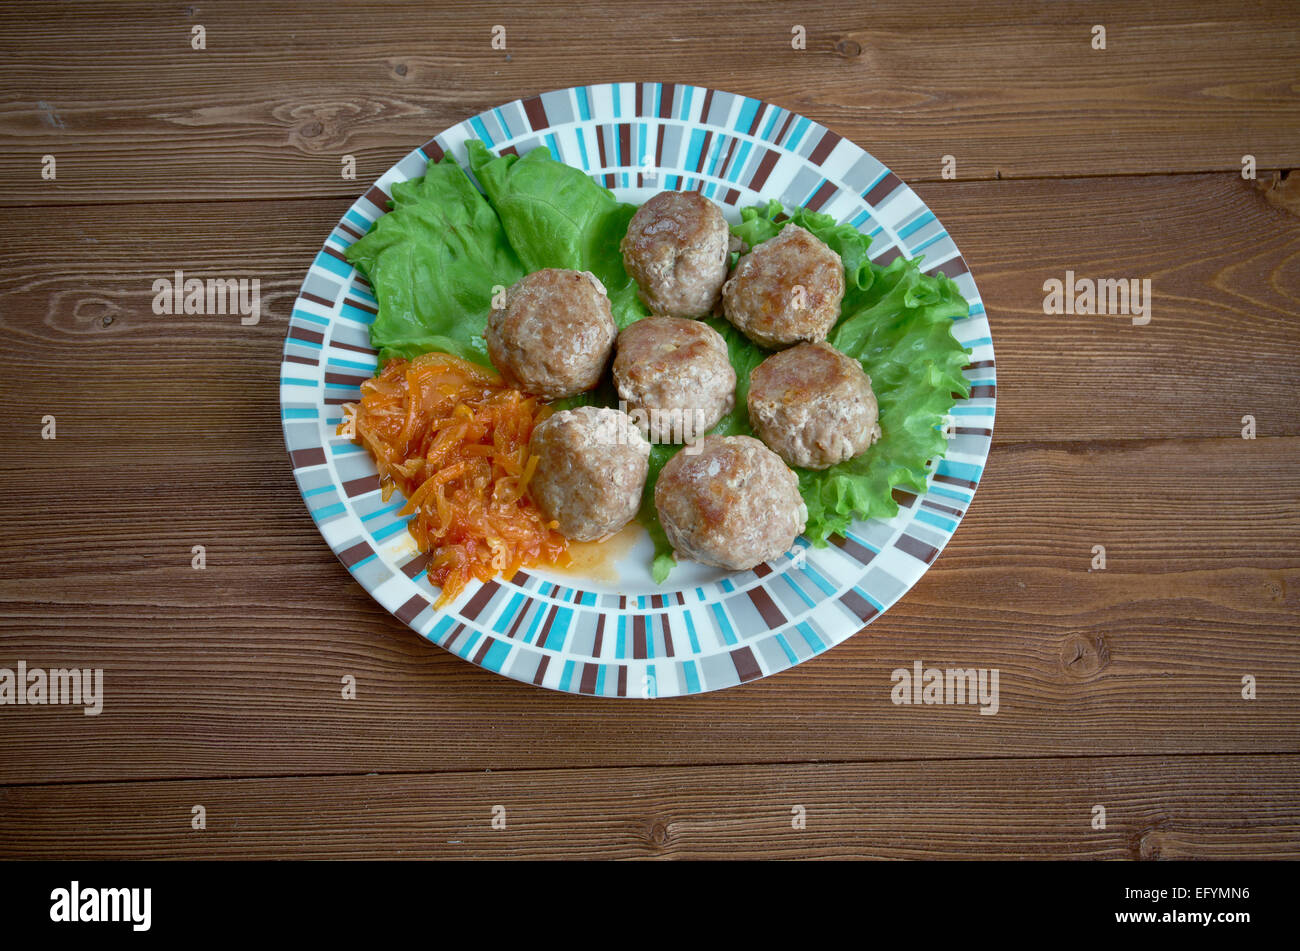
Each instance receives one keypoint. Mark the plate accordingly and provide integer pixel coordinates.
(606, 629)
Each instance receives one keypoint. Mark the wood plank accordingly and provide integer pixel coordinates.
(236, 669)
(131, 111)
(1221, 343)
(1120, 687)
(1187, 807)
(1224, 298)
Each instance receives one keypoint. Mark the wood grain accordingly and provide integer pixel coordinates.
(131, 111)
(1194, 807)
(236, 669)
(1221, 343)
(1120, 687)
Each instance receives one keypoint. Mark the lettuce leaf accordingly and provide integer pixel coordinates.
(760, 223)
(897, 322)
(435, 258)
(556, 216)
(433, 261)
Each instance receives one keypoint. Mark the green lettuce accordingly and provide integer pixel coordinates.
(903, 337)
(435, 259)
(556, 216)
(897, 322)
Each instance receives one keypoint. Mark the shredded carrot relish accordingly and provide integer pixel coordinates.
(454, 439)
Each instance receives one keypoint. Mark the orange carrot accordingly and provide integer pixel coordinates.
(453, 439)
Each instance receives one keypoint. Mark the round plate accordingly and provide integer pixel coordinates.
(610, 631)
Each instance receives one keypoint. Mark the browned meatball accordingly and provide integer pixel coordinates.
(675, 376)
(813, 405)
(676, 249)
(591, 471)
(786, 290)
(733, 504)
(555, 334)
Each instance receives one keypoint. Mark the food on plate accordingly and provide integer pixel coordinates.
(733, 504)
(813, 406)
(675, 376)
(591, 470)
(454, 441)
(555, 333)
(897, 321)
(434, 259)
(786, 290)
(676, 248)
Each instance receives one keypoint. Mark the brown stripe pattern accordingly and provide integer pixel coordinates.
(361, 486)
(917, 548)
(746, 666)
(480, 600)
(378, 197)
(824, 147)
(883, 190)
(302, 458)
(416, 564)
(765, 166)
(953, 267)
(536, 113)
(767, 608)
(859, 552)
(859, 605)
(667, 633)
(358, 552)
(953, 480)
(821, 196)
(411, 609)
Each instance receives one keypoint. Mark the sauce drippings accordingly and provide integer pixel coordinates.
(599, 560)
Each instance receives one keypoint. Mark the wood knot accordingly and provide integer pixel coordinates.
(1148, 845)
(1084, 655)
(658, 834)
(311, 130)
(1282, 190)
(400, 69)
(95, 310)
(849, 49)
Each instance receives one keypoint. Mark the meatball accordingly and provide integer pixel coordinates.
(733, 504)
(675, 376)
(813, 405)
(591, 471)
(786, 290)
(676, 249)
(555, 334)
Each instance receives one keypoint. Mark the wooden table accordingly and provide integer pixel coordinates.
(1120, 687)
